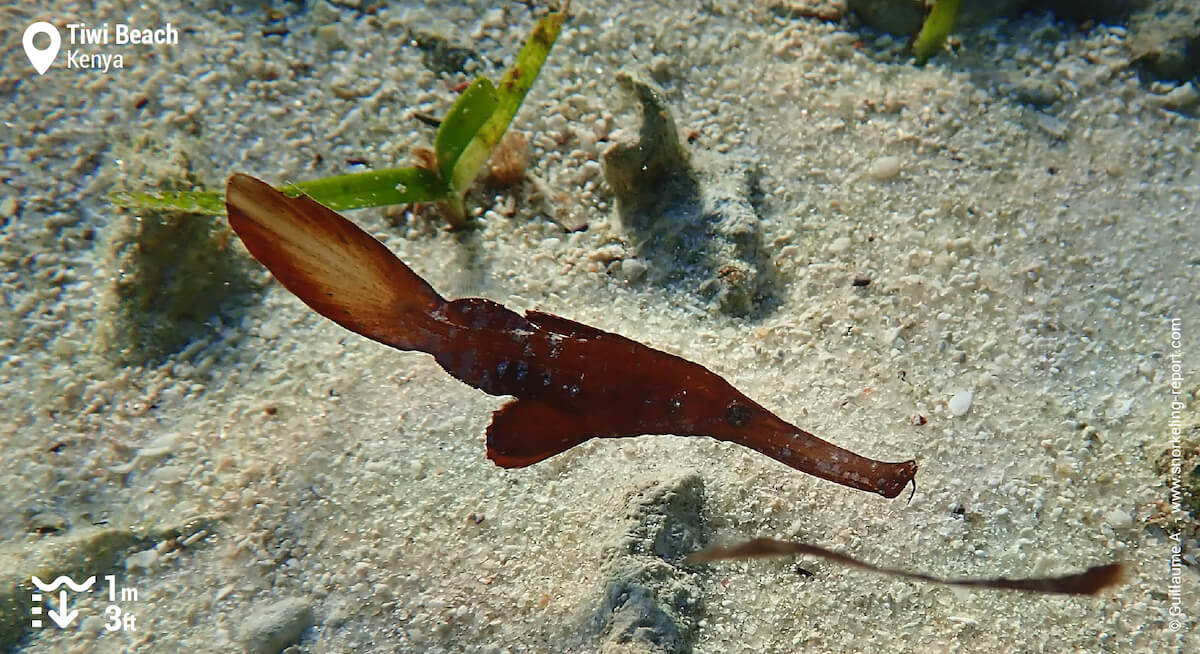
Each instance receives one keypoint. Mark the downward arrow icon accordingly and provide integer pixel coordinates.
(62, 617)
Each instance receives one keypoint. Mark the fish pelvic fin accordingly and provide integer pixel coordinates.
(524, 432)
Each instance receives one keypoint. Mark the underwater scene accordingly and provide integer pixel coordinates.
(811, 326)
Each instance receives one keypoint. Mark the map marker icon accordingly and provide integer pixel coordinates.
(41, 59)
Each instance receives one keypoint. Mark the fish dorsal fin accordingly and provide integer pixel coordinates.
(572, 329)
(482, 313)
(560, 325)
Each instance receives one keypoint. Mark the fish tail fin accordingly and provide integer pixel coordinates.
(339, 270)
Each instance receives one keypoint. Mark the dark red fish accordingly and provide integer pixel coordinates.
(571, 382)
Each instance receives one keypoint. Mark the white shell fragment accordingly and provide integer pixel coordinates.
(1118, 519)
(961, 402)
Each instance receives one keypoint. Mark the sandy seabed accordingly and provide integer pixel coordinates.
(279, 471)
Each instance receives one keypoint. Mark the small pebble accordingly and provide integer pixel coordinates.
(1181, 98)
(632, 270)
(1036, 92)
(8, 207)
(271, 628)
(884, 168)
(961, 402)
(144, 559)
(840, 245)
(493, 19)
(1118, 519)
(331, 37)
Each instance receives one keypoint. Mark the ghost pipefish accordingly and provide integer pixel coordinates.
(571, 382)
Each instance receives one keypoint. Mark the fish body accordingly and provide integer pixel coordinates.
(571, 382)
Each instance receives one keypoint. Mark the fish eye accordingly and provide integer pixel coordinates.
(737, 415)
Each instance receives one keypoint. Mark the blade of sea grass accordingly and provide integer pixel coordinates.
(510, 93)
(375, 188)
(934, 31)
(461, 148)
(204, 202)
(473, 109)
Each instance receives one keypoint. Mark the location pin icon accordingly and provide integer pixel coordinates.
(41, 59)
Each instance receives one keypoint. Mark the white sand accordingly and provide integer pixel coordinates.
(1046, 295)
